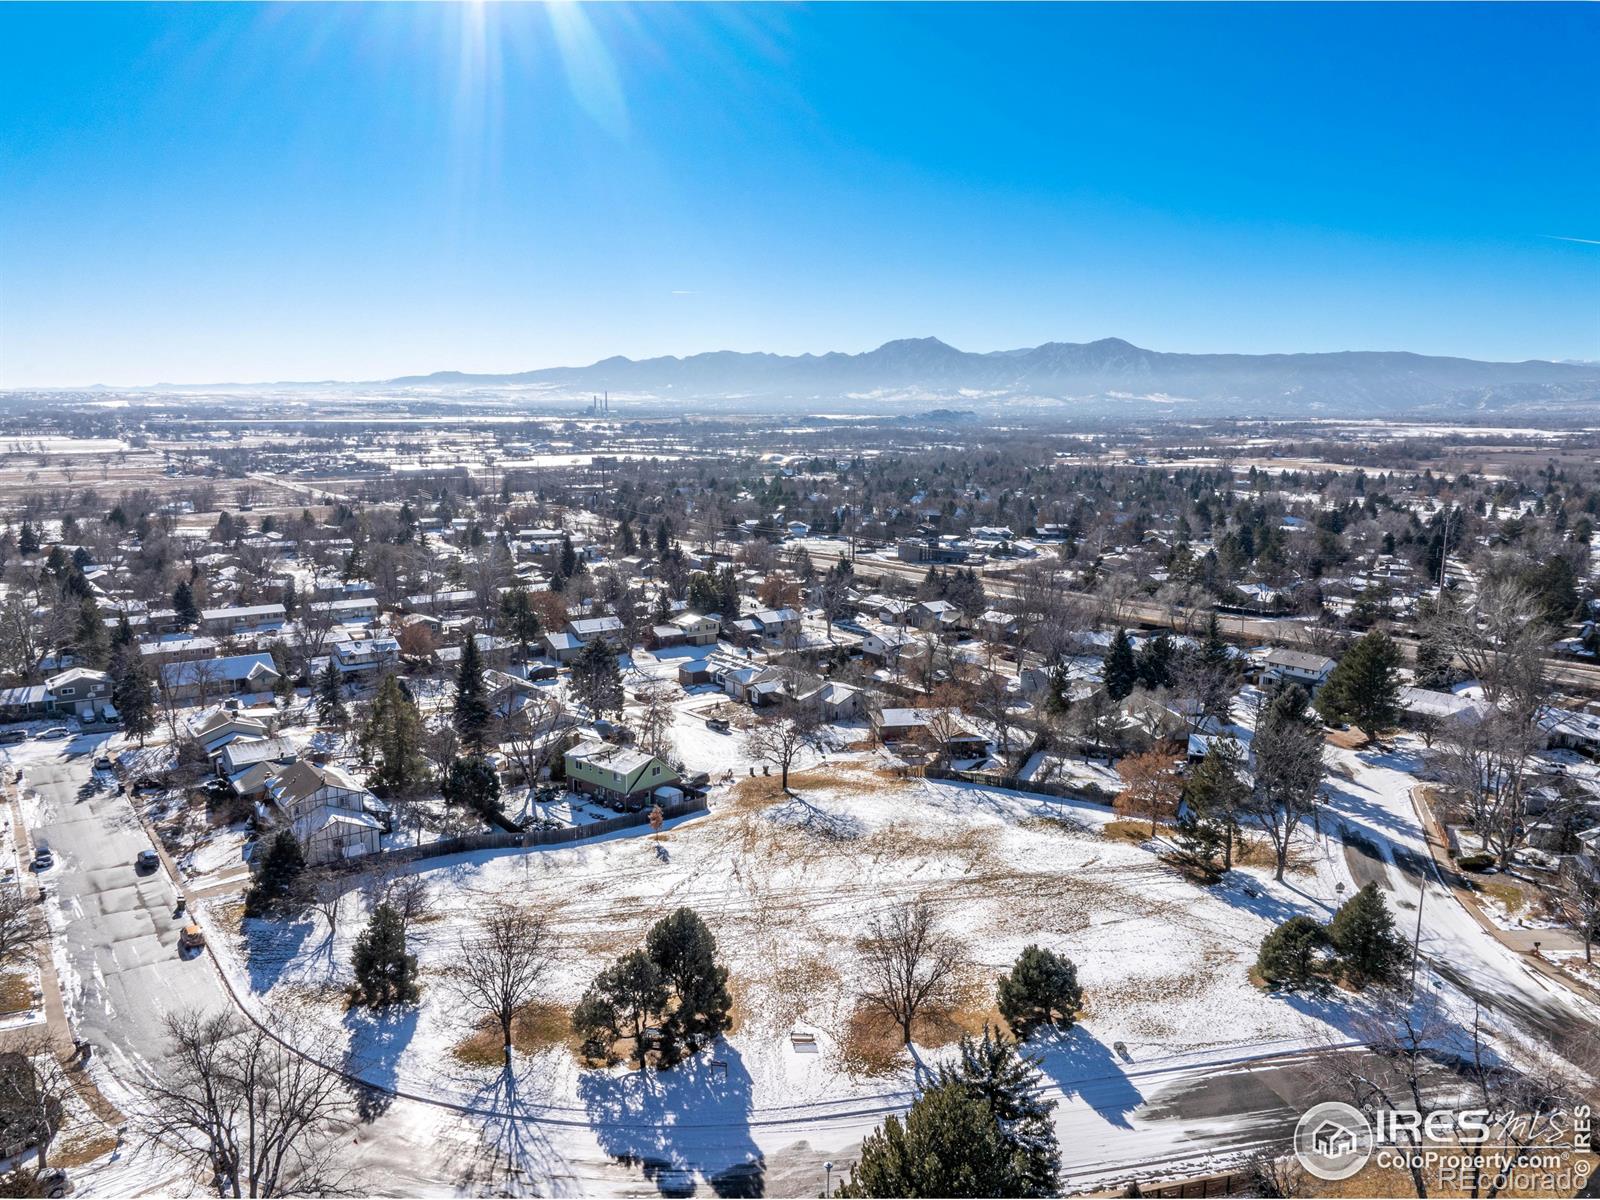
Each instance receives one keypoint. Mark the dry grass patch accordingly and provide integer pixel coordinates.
(1128, 831)
(80, 1147)
(16, 994)
(538, 1026)
(1508, 895)
(871, 1045)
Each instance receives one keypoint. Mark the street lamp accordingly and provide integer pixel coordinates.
(827, 1180)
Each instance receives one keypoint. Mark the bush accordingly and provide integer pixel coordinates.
(1291, 953)
(1041, 989)
(1475, 862)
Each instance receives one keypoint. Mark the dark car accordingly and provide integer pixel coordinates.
(717, 724)
(148, 860)
(43, 857)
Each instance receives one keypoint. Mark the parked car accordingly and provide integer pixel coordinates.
(192, 937)
(148, 860)
(718, 724)
(54, 734)
(102, 763)
(43, 857)
(9, 737)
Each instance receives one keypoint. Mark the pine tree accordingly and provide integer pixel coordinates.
(290, 599)
(596, 682)
(619, 1004)
(471, 716)
(625, 542)
(385, 973)
(520, 617)
(1155, 662)
(1041, 990)
(282, 867)
(569, 557)
(1364, 688)
(1213, 796)
(948, 1145)
(391, 740)
(473, 783)
(130, 692)
(1363, 933)
(27, 539)
(123, 635)
(90, 644)
(683, 948)
(330, 696)
(994, 1071)
(1290, 953)
(1120, 671)
(183, 604)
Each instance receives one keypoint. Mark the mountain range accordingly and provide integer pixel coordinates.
(1346, 382)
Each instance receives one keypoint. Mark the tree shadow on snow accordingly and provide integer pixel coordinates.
(377, 1040)
(269, 947)
(677, 1123)
(1083, 1066)
(513, 1132)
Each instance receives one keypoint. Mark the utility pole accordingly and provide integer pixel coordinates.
(1416, 942)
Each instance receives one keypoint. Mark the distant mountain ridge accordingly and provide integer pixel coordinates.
(1109, 369)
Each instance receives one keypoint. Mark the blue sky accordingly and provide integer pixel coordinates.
(205, 193)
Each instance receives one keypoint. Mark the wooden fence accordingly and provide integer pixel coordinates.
(468, 843)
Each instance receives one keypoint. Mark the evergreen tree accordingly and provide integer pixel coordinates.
(625, 543)
(122, 636)
(1040, 990)
(994, 1071)
(130, 693)
(948, 1145)
(619, 1004)
(1363, 933)
(1290, 953)
(473, 783)
(685, 951)
(596, 682)
(280, 870)
(520, 617)
(1120, 671)
(385, 973)
(330, 696)
(471, 716)
(183, 604)
(91, 644)
(728, 597)
(1213, 796)
(391, 740)
(27, 539)
(290, 598)
(1364, 688)
(704, 595)
(569, 557)
(1155, 662)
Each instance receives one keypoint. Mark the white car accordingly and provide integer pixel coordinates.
(54, 734)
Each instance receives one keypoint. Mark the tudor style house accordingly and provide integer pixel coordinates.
(332, 815)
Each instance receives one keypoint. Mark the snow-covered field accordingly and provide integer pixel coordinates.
(788, 885)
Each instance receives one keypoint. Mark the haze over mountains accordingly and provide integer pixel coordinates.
(1378, 382)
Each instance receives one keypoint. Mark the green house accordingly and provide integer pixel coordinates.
(612, 772)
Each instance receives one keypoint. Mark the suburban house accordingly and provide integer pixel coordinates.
(616, 773)
(353, 610)
(695, 629)
(235, 675)
(233, 622)
(1566, 729)
(174, 649)
(777, 624)
(833, 702)
(751, 685)
(358, 657)
(563, 647)
(892, 725)
(890, 646)
(221, 727)
(1421, 707)
(249, 765)
(76, 692)
(1308, 670)
(939, 615)
(333, 816)
(590, 628)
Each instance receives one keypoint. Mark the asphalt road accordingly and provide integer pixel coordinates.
(122, 973)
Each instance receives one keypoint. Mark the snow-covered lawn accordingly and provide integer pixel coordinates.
(789, 885)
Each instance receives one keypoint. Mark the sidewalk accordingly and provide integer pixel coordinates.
(1519, 941)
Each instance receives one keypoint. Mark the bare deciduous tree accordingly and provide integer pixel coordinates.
(779, 737)
(910, 965)
(19, 928)
(258, 1118)
(502, 965)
